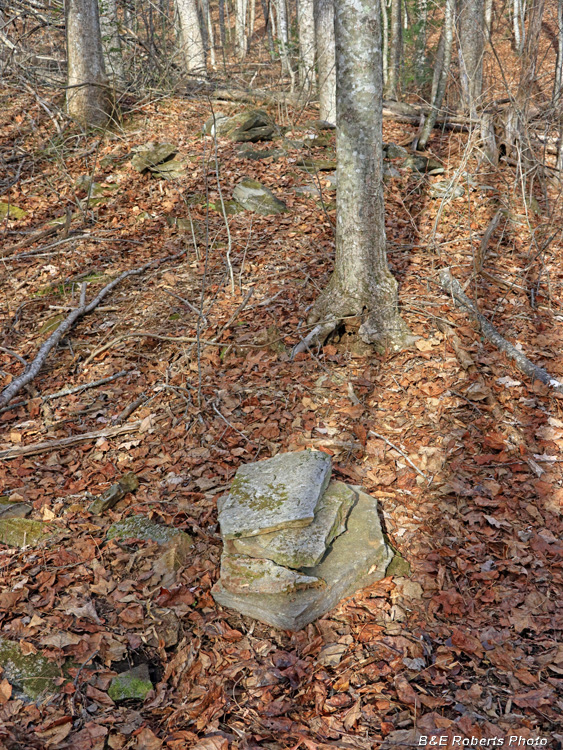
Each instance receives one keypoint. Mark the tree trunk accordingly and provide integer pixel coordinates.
(191, 37)
(488, 19)
(240, 28)
(111, 42)
(88, 97)
(441, 72)
(283, 36)
(306, 22)
(471, 31)
(267, 21)
(422, 12)
(362, 283)
(326, 61)
(395, 51)
(558, 83)
(385, 37)
(518, 25)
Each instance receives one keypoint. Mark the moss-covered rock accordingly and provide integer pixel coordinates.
(21, 532)
(8, 211)
(398, 567)
(31, 675)
(254, 196)
(140, 527)
(246, 127)
(152, 155)
(135, 684)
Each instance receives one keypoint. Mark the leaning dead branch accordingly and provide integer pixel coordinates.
(315, 338)
(453, 288)
(32, 370)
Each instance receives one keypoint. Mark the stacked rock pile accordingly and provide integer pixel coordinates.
(295, 543)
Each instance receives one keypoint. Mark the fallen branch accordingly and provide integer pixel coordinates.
(32, 370)
(315, 338)
(151, 335)
(453, 288)
(403, 454)
(49, 445)
(68, 391)
(31, 239)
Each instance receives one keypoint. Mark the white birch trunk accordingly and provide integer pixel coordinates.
(191, 37)
(88, 97)
(240, 28)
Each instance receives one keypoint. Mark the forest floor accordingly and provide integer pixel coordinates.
(467, 646)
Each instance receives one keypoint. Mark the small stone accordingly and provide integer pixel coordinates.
(21, 532)
(356, 559)
(135, 684)
(419, 163)
(393, 151)
(241, 575)
(115, 493)
(31, 675)
(9, 211)
(13, 510)
(279, 493)
(445, 189)
(152, 154)
(304, 548)
(246, 152)
(317, 165)
(254, 196)
(246, 127)
(140, 527)
(399, 567)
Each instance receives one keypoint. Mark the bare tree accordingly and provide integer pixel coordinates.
(361, 283)
(88, 96)
(306, 23)
(111, 42)
(395, 50)
(441, 72)
(191, 37)
(326, 60)
(471, 31)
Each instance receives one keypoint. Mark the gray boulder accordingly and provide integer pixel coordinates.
(246, 127)
(254, 196)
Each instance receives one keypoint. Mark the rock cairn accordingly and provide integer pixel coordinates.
(295, 542)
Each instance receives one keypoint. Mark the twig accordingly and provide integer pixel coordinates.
(233, 317)
(34, 367)
(403, 454)
(125, 413)
(535, 372)
(49, 445)
(186, 302)
(14, 355)
(69, 391)
(148, 334)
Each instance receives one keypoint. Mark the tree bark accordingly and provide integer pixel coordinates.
(283, 36)
(326, 60)
(111, 42)
(441, 71)
(362, 283)
(471, 31)
(306, 21)
(240, 28)
(88, 96)
(191, 37)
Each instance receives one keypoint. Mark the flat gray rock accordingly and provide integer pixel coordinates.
(279, 493)
(305, 547)
(256, 197)
(355, 560)
(239, 574)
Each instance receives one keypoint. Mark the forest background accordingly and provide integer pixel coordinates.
(151, 329)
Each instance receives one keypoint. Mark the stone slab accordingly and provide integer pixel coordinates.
(305, 547)
(239, 574)
(253, 196)
(31, 675)
(279, 493)
(355, 560)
